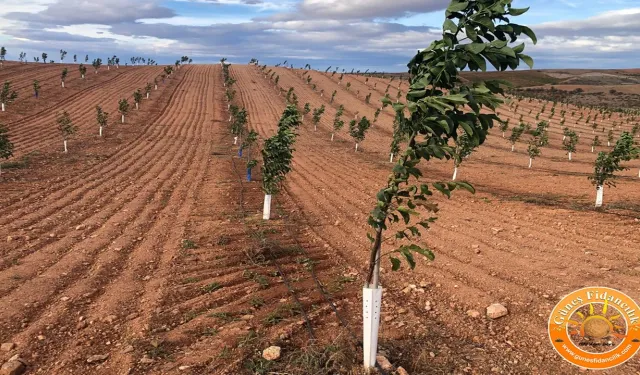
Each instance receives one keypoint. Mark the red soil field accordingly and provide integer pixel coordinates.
(148, 244)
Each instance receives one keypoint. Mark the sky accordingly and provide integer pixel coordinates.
(380, 35)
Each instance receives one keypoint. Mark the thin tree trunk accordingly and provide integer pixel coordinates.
(530, 162)
(101, 131)
(65, 146)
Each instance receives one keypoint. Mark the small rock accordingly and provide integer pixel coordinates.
(432, 354)
(473, 313)
(475, 246)
(82, 325)
(246, 317)
(127, 349)
(388, 318)
(64, 299)
(146, 360)
(13, 367)
(337, 223)
(97, 358)
(384, 363)
(80, 227)
(7, 346)
(401, 371)
(110, 319)
(427, 306)
(40, 337)
(182, 368)
(9, 238)
(496, 311)
(271, 353)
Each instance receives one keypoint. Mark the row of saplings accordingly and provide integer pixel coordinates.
(357, 127)
(64, 123)
(8, 95)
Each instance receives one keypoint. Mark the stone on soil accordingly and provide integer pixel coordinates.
(97, 358)
(271, 353)
(496, 311)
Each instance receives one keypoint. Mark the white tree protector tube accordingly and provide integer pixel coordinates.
(101, 131)
(235, 140)
(2, 107)
(455, 173)
(513, 147)
(356, 147)
(391, 158)
(137, 106)
(599, 195)
(331, 137)
(266, 212)
(371, 303)
(569, 156)
(123, 119)
(65, 146)
(530, 161)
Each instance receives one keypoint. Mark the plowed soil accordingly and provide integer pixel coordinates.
(147, 245)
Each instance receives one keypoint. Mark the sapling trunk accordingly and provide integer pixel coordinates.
(608, 144)
(315, 128)
(356, 147)
(530, 162)
(391, 158)
(2, 107)
(62, 84)
(331, 137)
(235, 140)
(455, 173)
(599, 195)
(156, 87)
(592, 148)
(502, 134)
(123, 119)
(65, 146)
(569, 156)
(83, 76)
(101, 131)
(266, 212)
(147, 95)
(137, 106)
(513, 147)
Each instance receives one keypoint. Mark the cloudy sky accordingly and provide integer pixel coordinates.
(361, 34)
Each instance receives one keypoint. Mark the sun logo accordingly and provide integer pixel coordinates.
(597, 324)
(595, 328)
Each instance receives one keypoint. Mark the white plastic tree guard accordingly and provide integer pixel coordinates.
(266, 212)
(371, 303)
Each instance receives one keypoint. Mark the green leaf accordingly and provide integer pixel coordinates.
(527, 60)
(450, 26)
(395, 264)
(457, 7)
(370, 238)
(441, 188)
(507, 52)
(475, 48)
(518, 11)
(409, 257)
(466, 186)
(528, 32)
